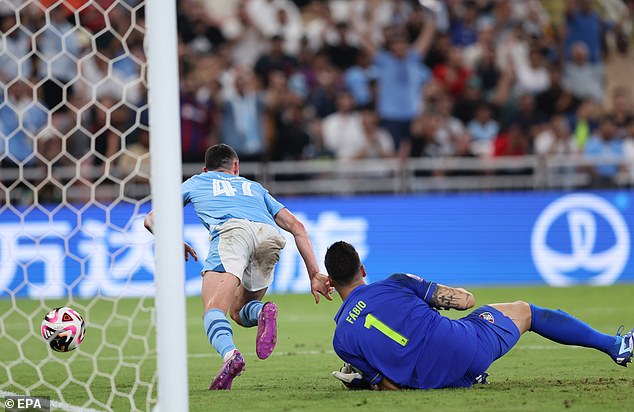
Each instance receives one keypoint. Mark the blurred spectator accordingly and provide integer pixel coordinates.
(343, 54)
(245, 37)
(134, 164)
(113, 122)
(449, 129)
(483, 129)
(342, 131)
(466, 104)
(424, 144)
(360, 79)
(243, 118)
(198, 117)
(582, 78)
(464, 28)
(197, 29)
(277, 17)
(556, 139)
(585, 123)
(16, 47)
(532, 16)
(555, 99)
(324, 95)
(453, 75)
(606, 142)
(473, 53)
(391, 13)
(292, 140)
(528, 117)
(98, 76)
(21, 120)
(58, 49)
(488, 72)
(438, 51)
(378, 142)
(400, 76)
(583, 24)
(532, 75)
(621, 107)
(274, 60)
(511, 142)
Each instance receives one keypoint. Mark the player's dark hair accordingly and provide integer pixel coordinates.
(342, 262)
(220, 156)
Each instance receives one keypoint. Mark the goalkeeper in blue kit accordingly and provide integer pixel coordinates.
(391, 336)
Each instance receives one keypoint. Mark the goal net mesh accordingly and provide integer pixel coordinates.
(74, 174)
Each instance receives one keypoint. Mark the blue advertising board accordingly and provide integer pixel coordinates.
(555, 238)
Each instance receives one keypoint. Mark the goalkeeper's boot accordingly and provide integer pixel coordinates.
(626, 347)
(266, 338)
(231, 369)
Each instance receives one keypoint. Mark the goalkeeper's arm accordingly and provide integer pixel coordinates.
(445, 297)
(352, 378)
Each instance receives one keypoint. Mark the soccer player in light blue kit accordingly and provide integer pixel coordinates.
(241, 217)
(391, 335)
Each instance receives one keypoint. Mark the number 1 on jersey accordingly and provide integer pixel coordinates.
(371, 320)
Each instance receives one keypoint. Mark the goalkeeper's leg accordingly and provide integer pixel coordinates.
(218, 292)
(564, 328)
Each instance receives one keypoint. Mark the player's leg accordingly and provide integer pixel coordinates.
(218, 291)
(519, 312)
(246, 306)
(249, 310)
(229, 252)
(564, 328)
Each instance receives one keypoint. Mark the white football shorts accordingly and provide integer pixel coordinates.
(248, 250)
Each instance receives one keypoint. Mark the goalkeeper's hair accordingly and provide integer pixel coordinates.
(220, 156)
(342, 262)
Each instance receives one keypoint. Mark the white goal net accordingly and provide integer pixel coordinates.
(74, 170)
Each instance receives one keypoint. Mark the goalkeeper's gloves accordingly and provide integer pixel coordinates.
(351, 377)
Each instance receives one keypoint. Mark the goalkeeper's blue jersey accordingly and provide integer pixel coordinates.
(389, 329)
(218, 197)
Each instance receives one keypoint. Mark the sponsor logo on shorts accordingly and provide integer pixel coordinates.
(487, 316)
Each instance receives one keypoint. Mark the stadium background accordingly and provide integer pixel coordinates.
(513, 95)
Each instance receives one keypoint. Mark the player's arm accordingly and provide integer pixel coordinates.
(148, 222)
(319, 283)
(445, 297)
(426, 35)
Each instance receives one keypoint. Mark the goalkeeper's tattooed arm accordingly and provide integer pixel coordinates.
(445, 297)
(148, 222)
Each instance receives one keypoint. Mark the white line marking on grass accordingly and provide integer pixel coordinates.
(191, 355)
(548, 347)
(55, 404)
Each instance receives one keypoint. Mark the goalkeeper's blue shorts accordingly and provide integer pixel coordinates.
(496, 335)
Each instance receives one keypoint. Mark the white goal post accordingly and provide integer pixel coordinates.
(165, 152)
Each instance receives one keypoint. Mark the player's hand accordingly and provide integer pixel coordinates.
(190, 251)
(350, 377)
(320, 284)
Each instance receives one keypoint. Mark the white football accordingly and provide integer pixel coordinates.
(63, 329)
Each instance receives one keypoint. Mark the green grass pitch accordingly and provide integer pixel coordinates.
(536, 375)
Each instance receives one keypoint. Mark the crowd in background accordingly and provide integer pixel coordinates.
(293, 80)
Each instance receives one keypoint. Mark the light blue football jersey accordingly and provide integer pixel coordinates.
(218, 197)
